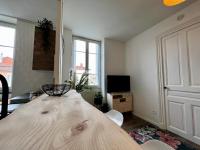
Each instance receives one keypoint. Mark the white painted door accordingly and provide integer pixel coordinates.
(181, 63)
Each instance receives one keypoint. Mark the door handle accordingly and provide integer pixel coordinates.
(122, 100)
(166, 88)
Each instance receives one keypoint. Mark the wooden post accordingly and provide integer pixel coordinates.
(58, 49)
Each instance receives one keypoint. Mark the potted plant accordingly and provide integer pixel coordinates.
(81, 85)
(98, 99)
(105, 107)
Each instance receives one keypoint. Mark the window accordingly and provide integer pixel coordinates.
(87, 59)
(7, 39)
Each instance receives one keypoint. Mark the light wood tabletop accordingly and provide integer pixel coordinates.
(62, 123)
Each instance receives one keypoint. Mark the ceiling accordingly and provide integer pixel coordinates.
(31, 10)
(115, 19)
(97, 19)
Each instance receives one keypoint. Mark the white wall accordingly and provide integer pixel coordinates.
(67, 54)
(114, 57)
(112, 53)
(24, 78)
(141, 64)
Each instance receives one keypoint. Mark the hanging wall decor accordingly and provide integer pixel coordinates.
(44, 46)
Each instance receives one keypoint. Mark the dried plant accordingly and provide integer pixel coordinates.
(46, 26)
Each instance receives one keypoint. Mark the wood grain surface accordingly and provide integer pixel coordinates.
(62, 123)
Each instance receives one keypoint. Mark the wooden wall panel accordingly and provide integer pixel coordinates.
(43, 57)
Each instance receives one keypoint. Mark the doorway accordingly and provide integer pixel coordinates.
(179, 74)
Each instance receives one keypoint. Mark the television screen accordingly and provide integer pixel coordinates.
(118, 83)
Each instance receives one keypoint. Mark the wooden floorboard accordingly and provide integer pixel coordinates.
(132, 122)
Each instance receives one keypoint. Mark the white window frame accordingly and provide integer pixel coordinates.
(87, 56)
(9, 25)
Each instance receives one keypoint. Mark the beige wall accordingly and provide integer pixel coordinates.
(24, 78)
(114, 57)
(67, 54)
(141, 64)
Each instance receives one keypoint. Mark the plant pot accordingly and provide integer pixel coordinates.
(98, 101)
(105, 108)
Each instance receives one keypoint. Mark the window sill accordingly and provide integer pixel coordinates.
(10, 90)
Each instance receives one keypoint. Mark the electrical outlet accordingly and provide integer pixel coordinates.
(154, 114)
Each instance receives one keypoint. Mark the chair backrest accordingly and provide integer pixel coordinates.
(115, 116)
(5, 92)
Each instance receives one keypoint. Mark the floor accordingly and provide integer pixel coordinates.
(131, 122)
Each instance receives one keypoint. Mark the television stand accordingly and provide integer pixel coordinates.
(120, 101)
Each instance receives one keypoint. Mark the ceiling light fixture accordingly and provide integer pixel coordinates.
(173, 2)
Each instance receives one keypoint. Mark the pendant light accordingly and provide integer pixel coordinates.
(173, 2)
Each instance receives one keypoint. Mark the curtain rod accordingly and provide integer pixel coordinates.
(26, 20)
(18, 18)
(7, 23)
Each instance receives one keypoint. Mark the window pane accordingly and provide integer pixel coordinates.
(80, 62)
(7, 36)
(80, 46)
(93, 79)
(93, 48)
(91, 64)
(93, 67)
(6, 63)
(6, 52)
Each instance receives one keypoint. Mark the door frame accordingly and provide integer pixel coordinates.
(160, 67)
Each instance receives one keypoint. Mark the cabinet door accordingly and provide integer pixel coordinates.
(123, 104)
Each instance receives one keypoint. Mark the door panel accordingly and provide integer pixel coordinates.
(172, 61)
(181, 63)
(177, 115)
(193, 36)
(196, 115)
(196, 123)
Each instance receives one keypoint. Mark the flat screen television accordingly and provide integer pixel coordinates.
(118, 83)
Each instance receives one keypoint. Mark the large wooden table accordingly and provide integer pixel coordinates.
(61, 123)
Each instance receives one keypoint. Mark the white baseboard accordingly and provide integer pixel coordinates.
(160, 125)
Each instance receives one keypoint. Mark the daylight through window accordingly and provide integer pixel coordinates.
(87, 59)
(7, 40)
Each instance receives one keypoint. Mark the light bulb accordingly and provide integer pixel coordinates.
(173, 2)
